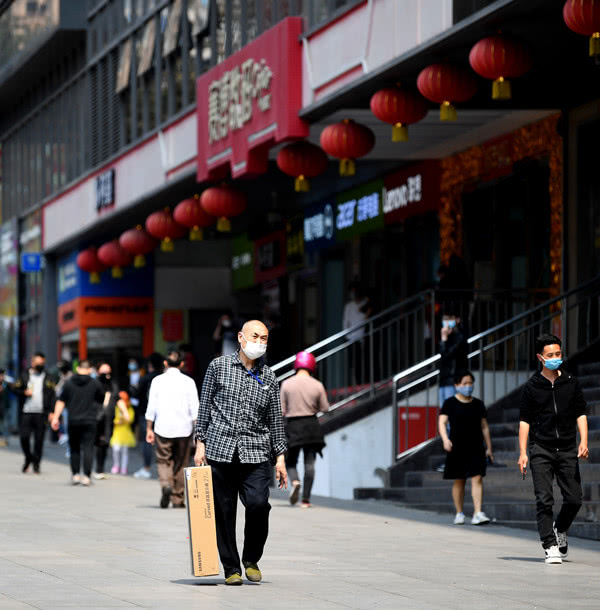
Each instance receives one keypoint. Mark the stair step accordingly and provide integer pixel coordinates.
(591, 394)
(589, 381)
(590, 368)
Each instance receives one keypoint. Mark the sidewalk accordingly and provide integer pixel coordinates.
(110, 546)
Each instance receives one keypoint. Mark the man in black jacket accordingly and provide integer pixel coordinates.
(453, 350)
(81, 395)
(552, 410)
(35, 390)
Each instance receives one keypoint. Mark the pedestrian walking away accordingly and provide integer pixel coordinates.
(240, 434)
(302, 397)
(453, 350)
(105, 412)
(465, 452)
(81, 395)
(172, 410)
(553, 409)
(36, 392)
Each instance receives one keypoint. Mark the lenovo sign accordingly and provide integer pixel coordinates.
(250, 102)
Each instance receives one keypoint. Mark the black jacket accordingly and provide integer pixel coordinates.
(552, 410)
(82, 395)
(48, 396)
(454, 356)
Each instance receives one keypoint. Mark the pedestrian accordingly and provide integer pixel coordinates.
(104, 424)
(453, 350)
(4, 408)
(155, 368)
(225, 335)
(302, 397)
(553, 409)
(65, 371)
(135, 375)
(81, 395)
(356, 310)
(36, 392)
(122, 437)
(465, 452)
(239, 434)
(172, 408)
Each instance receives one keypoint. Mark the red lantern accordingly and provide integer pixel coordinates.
(347, 141)
(444, 84)
(400, 108)
(139, 243)
(223, 202)
(189, 213)
(302, 160)
(88, 261)
(499, 58)
(583, 17)
(161, 225)
(112, 255)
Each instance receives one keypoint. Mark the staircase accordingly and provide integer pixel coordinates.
(508, 500)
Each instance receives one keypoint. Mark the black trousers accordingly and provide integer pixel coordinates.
(33, 423)
(291, 461)
(545, 465)
(81, 439)
(251, 483)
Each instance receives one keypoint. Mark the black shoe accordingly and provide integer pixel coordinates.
(36, 468)
(166, 497)
(182, 505)
(26, 466)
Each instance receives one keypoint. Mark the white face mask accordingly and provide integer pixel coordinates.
(254, 351)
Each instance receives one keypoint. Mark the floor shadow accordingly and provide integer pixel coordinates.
(200, 581)
(533, 559)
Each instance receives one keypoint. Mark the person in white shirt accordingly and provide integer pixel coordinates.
(356, 311)
(172, 409)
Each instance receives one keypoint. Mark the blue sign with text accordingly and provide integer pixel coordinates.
(31, 262)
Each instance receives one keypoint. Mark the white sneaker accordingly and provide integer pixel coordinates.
(142, 473)
(552, 555)
(562, 542)
(99, 476)
(480, 518)
(76, 479)
(459, 519)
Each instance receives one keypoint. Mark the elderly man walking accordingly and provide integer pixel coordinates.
(239, 434)
(172, 408)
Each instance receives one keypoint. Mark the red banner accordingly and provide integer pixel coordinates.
(250, 102)
(270, 257)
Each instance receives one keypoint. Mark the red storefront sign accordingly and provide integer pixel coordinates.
(250, 102)
(411, 191)
(270, 257)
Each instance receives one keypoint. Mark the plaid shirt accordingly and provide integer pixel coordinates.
(240, 408)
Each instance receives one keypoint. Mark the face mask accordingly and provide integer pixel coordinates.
(226, 323)
(39, 368)
(553, 363)
(133, 366)
(465, 390)
(254, 351)
(449, 323)
(104, 377)
(93, 375)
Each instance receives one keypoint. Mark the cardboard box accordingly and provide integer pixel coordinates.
(201, 520)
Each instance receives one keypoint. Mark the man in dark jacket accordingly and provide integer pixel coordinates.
(552, 410)
(453, 350)
(106, 414)
(35, 390)
(81, 395)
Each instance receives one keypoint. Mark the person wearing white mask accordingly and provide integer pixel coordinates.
(240, 435)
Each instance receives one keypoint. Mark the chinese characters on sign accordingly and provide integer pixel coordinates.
(241, 260)
(401, 196)
(105, 190)
(231, 97)
(320, 225)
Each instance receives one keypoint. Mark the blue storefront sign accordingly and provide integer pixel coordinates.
(31, 262)
(319, 227)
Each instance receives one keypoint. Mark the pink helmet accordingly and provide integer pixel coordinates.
(305, 360)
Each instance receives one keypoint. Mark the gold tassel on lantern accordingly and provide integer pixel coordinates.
(447, 112)
(595, 44)
(196, 234)
(223, 225)
(399, 133)
(94, 277)
(301, 184)
(501, 89)
(167, 245)
(347, 167)
(117, 273)
(139, 261)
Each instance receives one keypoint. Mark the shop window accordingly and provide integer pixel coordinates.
(124, 66)
(146, 48)
(171, 33)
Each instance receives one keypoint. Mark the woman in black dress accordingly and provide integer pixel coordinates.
(465, 453)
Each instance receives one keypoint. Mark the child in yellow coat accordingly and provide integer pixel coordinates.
(122, 437)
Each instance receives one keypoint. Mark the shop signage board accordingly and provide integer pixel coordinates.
(411, 191)
(270, 257)
(31, 262)
(242, 263)
(250, 102)
(319, 227)
(359, 211)
(295, 243)
(105, 190)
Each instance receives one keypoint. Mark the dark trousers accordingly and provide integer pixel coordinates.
(33, 423)
(291, 459)
(545, 465)
(251, 483)
(81, 439)
(172, 456)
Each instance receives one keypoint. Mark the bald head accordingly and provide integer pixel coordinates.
(255, 331)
